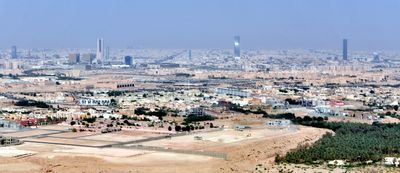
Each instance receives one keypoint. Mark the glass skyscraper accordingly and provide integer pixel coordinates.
(128, 60)
(236, 48)
(13, 52)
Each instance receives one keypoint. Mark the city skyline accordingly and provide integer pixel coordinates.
(210, 86)
(197, 25)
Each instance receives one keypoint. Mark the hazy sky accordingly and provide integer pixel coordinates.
(269, 24)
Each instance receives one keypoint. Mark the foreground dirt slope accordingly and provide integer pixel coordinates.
(244, 156)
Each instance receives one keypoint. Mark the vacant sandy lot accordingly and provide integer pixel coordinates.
(121, 136)
(244, 154)
(12, 152)
(217, 138)
(19, 167)
(27, 133)
(70, 159)
(70, 141)
(73, 135)
(54, 127)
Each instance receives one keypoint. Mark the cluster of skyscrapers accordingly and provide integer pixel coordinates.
(104, 54)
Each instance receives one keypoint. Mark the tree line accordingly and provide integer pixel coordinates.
(354, 142)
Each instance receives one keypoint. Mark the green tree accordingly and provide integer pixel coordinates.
(178, 128)
(74, 130)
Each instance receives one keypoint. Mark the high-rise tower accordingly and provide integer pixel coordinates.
(107, 53)
(236, 48)
(345, 50)
(13, 52)
(100, 50)
(128, 60)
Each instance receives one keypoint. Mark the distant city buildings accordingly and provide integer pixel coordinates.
(73, 58)
(100, 50)
(376, 57)
(345, 56)
(13, 52)
(236, 48)
(233, 92)
(87, 58)
(128, 60)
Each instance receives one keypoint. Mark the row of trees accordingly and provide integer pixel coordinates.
(354, 142)
(115, 93)
(195, 118)
(188, 128)
(38, 104)
(161, 112)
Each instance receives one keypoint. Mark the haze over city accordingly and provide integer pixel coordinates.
(276, 24)
(222, 86)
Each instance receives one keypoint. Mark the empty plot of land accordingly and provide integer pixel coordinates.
(215, 138)
(122, 136)
(12, 152)
(54, 127)
(52, 140)
(5, 130)
(19, 167)
(73, 134)
(29, 133)
(112, 152)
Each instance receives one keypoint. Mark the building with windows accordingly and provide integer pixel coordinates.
(125, 86)
(128, 60)
(197, 111)
(94, 102)
(233, 92)
(10, 124)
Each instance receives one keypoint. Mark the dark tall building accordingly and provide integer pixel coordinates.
(345, 57)
(100, 50)
(13, 52)
(128, 60)
(236, 48)
(190, 54)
